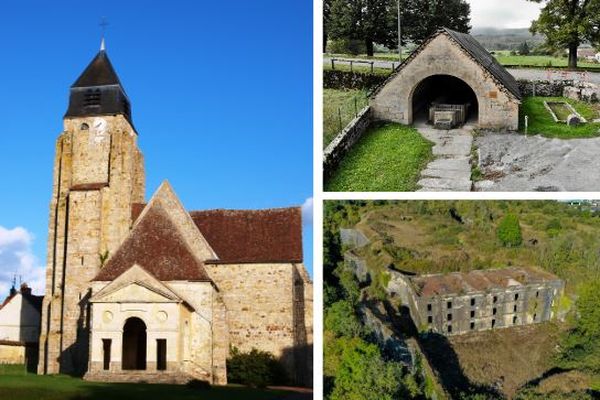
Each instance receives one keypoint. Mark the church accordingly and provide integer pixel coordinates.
(142, 290)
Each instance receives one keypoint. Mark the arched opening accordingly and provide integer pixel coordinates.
(441, 97)
(134, 344)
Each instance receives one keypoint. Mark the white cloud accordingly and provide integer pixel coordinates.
(16, 257)
(307, 211)
(503, 13)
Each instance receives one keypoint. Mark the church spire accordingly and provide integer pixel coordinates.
(98, 90)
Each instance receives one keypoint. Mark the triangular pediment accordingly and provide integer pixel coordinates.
(168, 200)
(160, 245)
(136, 285)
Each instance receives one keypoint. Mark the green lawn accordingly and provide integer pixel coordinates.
(16, 384)
(388, 157)
(541, 122)
(540, 61)
(340, 102)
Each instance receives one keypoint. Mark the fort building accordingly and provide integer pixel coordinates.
(462, 302)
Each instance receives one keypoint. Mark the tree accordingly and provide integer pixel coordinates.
(361, 372)
(368, 20)
(326, 21)
(568, 23)
(580, 347)
(524, 49)
(341, 319)
(421, 18)
(509, 231)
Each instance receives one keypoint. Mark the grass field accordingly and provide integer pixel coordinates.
(16, 384)
(388, 157)
(505, 58)
(340, 103)
(541, 122)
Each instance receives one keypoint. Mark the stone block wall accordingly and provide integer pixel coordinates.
(265, 305)
(342, 143)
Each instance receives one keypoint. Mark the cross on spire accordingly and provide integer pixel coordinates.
(103, 24)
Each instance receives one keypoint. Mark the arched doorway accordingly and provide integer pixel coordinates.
(443, 90)
(134, 344)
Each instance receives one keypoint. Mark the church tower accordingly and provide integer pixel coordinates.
(98, 176)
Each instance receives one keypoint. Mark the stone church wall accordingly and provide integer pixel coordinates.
(261, 308)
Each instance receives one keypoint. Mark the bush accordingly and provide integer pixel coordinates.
(256, 368)
(509, 231)
(346, 46)
(198, 384)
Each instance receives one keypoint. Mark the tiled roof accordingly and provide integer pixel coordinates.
(253, 236)
(478, 281)
(155, 244)
(488, 61)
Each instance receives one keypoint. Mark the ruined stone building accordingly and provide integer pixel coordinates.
(450, 80)
(145, 290)
(20, 327)
(459, 302)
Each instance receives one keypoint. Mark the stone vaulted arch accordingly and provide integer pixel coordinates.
(446, 88)
(134, 344)
(458, 55)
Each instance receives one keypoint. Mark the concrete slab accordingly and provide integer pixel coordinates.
(515, 162)
(451, 169)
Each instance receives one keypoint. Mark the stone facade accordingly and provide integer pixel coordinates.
(441, 55)
(90, 215)
(459, 303)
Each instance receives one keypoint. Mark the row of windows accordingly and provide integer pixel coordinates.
(495, 300)
(515, 320)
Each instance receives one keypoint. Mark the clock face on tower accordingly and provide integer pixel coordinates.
(99, 130)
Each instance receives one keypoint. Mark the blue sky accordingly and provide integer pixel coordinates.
(221, 97)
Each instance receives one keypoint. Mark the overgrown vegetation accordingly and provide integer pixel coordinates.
(354, 367)
(554, 360)
(388, 157)
(339, 108)
(541, 122)
(254, 368)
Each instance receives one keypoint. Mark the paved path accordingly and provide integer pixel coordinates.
(450, 170)
(515, 162)
(518, 73)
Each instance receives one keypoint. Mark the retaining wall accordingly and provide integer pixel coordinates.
(340, 145)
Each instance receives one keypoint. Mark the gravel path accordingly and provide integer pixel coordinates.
(515, 162)
(450, 170)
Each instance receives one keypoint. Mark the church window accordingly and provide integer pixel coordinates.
(161, 354)
(91, 98)
(84, 127)
(106, 344)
